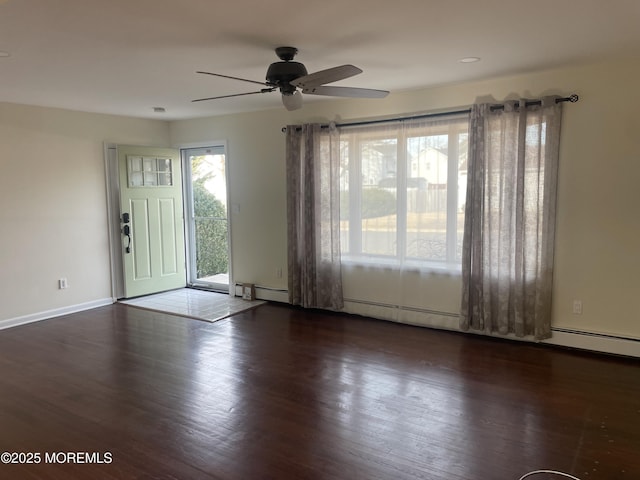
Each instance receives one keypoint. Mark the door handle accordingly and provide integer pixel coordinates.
(126, 231)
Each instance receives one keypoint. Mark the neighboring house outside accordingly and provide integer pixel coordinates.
(426, 182)
(431, 164)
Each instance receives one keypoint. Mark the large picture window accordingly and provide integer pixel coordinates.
(402, 192)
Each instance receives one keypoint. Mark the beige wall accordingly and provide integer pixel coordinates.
(53, 199)
(53, 205)
(598, 226)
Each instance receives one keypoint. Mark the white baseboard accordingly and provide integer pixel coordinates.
(263, 293)
(36, 317)
(281, 296)
(595, 342)
(409, 316)
(590, 341)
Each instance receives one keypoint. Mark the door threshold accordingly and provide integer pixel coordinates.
(208, 288)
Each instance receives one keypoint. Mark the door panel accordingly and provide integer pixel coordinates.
(151, 192)
(140, 247)
(167, 215)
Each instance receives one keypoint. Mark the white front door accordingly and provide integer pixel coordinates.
(151, 219)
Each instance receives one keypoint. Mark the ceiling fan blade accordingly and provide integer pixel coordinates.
(351, 92)
(234, 78)
(326, 76)
(264, 90)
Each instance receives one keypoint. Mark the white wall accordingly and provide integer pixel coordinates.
(597, 259)
(53, 205)
(256, 172)
(53, 200)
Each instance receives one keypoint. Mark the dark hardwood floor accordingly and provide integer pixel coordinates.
(283, 393)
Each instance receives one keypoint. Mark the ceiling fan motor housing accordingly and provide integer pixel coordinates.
(281, 73)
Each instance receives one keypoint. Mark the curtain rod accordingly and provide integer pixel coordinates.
(571, 98)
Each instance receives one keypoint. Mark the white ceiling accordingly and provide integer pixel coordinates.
(127, 56)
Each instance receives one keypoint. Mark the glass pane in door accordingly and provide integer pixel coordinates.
(208, 219)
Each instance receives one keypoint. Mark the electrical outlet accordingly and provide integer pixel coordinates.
(62, 283)
(577, 307)
(279, 272)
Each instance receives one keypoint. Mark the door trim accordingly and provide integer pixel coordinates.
(112, 175)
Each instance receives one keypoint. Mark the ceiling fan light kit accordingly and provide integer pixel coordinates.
(292, 101)
(292, 79)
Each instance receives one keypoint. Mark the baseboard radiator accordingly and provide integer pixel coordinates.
(583, 340)
(264, 293)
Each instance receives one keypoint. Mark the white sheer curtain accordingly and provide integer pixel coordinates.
(313, 213)
(402, 217)
(507, 258)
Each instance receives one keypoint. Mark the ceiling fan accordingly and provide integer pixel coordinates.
(292, 79)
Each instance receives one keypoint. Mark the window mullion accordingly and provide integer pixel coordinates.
(355, 196)
(401, 195)
(452, 194)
